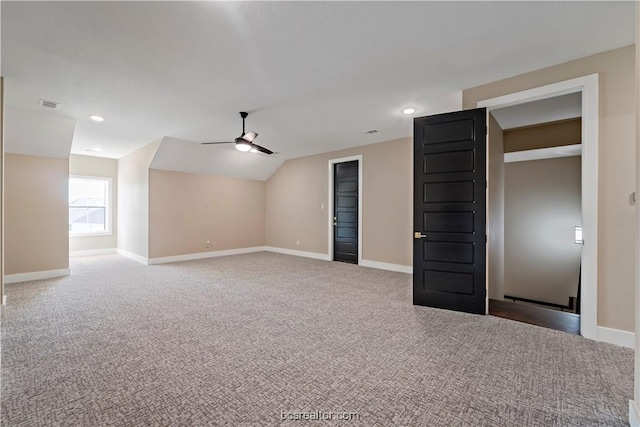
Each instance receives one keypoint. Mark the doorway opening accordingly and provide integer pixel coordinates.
(541, 213)
(586, 90)
(345, 209)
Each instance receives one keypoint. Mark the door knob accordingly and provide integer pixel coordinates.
(419, 235)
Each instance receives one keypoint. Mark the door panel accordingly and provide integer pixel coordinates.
(457, 161)
(449, 262)
(347, 202)
(445, 281)
(453, 192)
(449, 131)
(448, 222)
(345, 230)
(347, 186)
(347, 217)
(448, 252)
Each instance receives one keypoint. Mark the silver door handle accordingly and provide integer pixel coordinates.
(419, 235)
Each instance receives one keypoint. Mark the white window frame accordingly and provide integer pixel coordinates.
(107, 208)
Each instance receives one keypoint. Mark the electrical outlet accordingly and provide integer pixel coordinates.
(297, 242)
(207, 244)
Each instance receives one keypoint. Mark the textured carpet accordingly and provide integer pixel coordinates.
(238, 340)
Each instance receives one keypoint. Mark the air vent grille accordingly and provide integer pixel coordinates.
(52, 105)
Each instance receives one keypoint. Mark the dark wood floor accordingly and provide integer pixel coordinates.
(552, 319)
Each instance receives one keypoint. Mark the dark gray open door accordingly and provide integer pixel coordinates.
(449, 250)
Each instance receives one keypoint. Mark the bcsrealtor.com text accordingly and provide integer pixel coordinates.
(319, 415)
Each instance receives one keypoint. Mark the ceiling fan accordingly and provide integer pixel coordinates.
(245, 141)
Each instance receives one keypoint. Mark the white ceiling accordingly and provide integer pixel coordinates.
(542, 111)
(313, 75)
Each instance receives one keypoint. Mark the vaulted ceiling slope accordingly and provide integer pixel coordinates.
(313, 75)
(185, 156)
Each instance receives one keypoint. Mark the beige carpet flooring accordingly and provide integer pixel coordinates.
(238, 340)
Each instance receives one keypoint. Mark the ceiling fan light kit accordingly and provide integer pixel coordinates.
(243, 145)
(244, 142)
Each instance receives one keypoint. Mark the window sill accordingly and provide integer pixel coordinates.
(104, 233)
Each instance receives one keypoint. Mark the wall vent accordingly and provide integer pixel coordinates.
(49, 104)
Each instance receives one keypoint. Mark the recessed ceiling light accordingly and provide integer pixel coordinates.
(408, 111)
(94, 150)
(97, 118)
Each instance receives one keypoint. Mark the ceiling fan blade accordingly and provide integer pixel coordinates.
(249, 136)
(221, 142)
(262, 149)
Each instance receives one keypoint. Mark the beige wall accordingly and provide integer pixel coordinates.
(133, 200)
(616, 224)
(36, 214)
(565, 132)
(636, 387)
(103, 168)
(186, 210)
(542, 207)
(495, 206)
(1, 191)
(298, 189)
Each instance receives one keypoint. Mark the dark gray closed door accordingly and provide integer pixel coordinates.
(449, 251)
(345, 219)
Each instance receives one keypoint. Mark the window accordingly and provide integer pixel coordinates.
(89, 206)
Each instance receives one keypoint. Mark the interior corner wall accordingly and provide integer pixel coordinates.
(297, 202)
(616, 158)
(103, 168)
(542, 207)
(495, 204)
(187, 210)
(36, 214)
(133, 200)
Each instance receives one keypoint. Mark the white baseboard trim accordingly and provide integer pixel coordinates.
(314, 255)
(617, 337)
(140, 259)
(90, 252)
(4, 300)
(36, 275)
(634, 415)
(387, 266)
(203, 255)
(325, 257)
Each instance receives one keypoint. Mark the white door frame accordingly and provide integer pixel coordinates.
(588, 87)
(332, 162)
